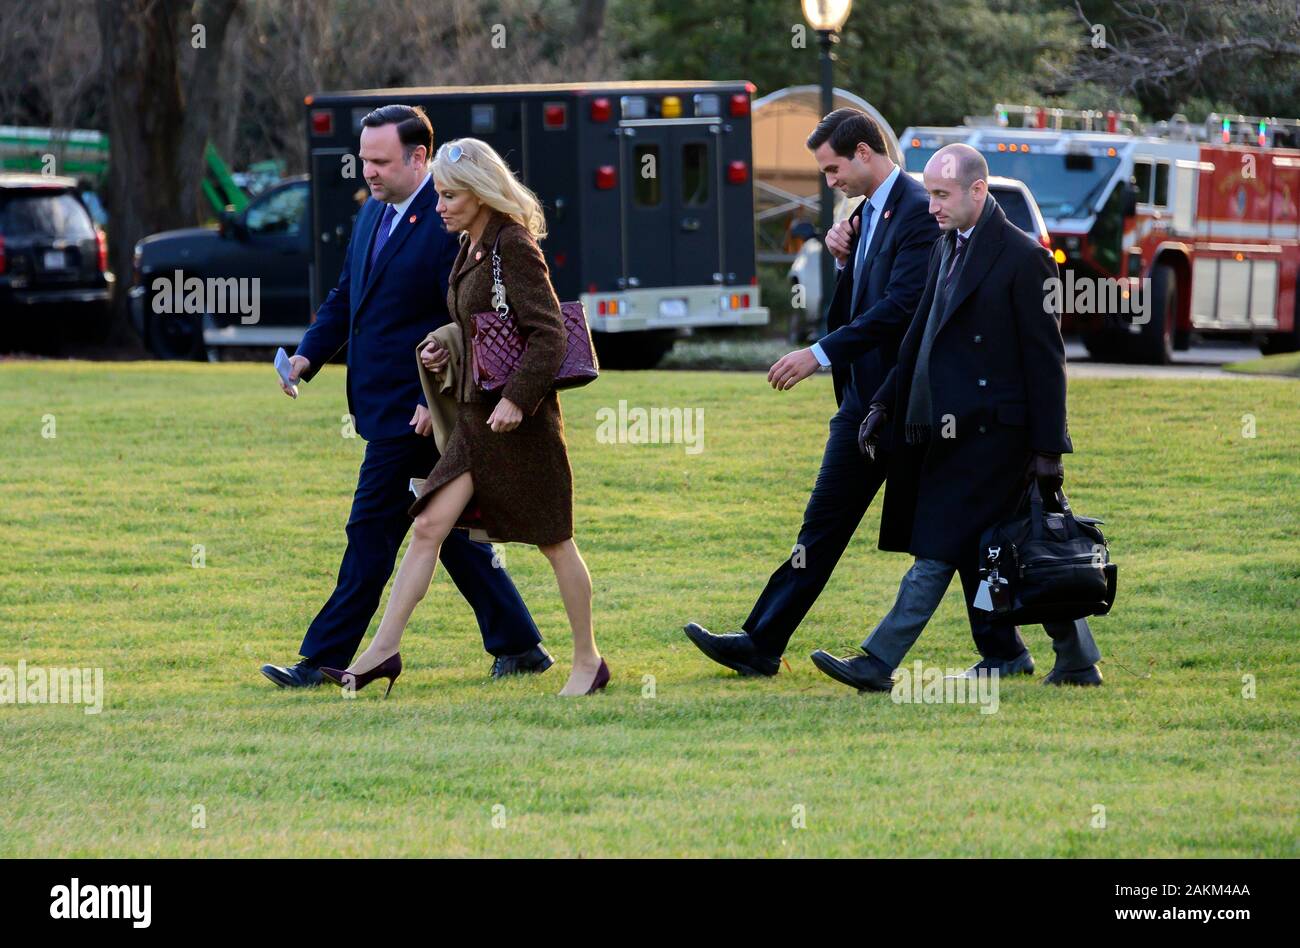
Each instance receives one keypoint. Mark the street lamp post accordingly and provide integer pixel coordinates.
(826, 17)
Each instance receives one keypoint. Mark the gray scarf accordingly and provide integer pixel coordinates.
(920, 413)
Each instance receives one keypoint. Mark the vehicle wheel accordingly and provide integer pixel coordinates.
(632, 350)
(1100, 345)
(1283, 341)
(1155, 344)
(94, 325)
(175, 336)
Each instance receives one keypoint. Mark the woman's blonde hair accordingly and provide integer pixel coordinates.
(481, 171)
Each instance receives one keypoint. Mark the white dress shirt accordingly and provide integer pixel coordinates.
(877, 202)
(401, 208)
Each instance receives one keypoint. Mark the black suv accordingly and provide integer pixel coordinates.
(269, 242)
(55, 285)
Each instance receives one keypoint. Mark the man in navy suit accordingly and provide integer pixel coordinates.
(391, 294)
(881, 253)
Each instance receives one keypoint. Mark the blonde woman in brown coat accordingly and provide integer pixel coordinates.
(505, 468)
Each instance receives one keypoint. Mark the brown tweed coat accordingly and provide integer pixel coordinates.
(523, 484)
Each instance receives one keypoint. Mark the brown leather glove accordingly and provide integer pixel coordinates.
(1048, 470)
(869, 430)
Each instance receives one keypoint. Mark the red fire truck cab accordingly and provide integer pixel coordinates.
(1196, 227)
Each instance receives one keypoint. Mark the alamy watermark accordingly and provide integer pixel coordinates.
(638, 425)
(1098, 296)
(37, 685)
(228, 296)
(76, 900)
(917, 685)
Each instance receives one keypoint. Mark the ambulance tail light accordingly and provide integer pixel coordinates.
(322, 121)
(555, 116)
(737, 172)
(606, 177)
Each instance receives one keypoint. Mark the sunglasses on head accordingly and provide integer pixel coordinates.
(454, 152)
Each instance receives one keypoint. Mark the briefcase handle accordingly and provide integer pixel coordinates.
(1034, 496)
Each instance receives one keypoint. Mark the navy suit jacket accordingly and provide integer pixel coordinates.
(381, 316)
(866, 323)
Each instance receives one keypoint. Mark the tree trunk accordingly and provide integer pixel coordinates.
(158, 122)
(201, 84)
(145, 119)
(590, 21)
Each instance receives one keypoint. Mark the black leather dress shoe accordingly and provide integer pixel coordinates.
(1022, 664)
(532, 662)
(301, 675)
(735, 651)
(857, 671)
(1079, 676)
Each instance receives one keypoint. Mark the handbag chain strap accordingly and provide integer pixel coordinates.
(498, 288)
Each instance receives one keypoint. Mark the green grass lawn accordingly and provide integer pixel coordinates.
(1282, 364)
(679, 757)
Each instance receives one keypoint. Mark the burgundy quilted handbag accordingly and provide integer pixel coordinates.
(496, 348)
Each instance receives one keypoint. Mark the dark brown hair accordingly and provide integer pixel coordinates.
(413, 127)
(844, 128)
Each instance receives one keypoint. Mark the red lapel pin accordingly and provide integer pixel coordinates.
(412, 218)
(886, 215)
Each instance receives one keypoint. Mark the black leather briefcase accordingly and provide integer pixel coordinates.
(1045, 564)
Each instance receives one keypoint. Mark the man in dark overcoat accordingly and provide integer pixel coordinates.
(974, 408)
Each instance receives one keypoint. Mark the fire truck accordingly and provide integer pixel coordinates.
(647, 189)
(1197, 225)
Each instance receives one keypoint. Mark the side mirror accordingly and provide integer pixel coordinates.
(229, 224)
(1130, 199)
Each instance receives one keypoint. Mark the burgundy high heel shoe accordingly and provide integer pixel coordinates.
(601, 680)
(389, 668)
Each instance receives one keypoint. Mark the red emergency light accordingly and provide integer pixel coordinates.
(737, 172)
(555, 115)
(606, 177)
(322, 122)
(739, 104)
(601, 110)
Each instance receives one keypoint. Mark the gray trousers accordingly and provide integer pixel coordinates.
(919, 595)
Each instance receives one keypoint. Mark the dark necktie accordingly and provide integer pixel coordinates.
(956, 263)
(381, 236)
(864, 227)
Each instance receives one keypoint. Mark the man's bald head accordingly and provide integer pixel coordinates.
(957, 178)
(959, 163)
